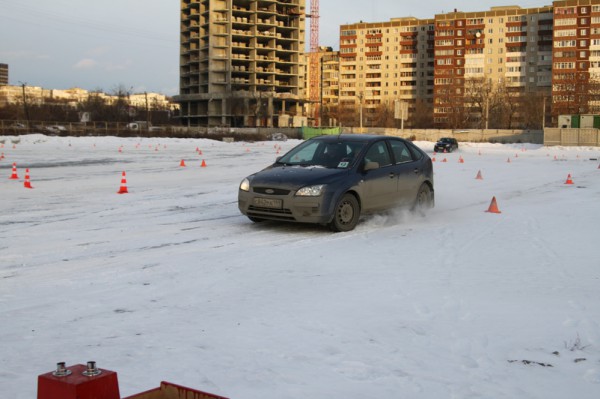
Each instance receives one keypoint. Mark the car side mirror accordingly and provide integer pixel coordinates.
(371, 165)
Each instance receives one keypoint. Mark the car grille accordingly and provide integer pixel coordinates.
(280, 214)
(271, 191)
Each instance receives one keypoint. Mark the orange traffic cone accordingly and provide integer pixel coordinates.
(433, 160)
(508, 160)
(123, 189)
(203, 164)
(569, 180)
(14, 172)
(27, 183)
(493, 206)
(461, 160)
(444, 160)
(479, 177)
(182, 163)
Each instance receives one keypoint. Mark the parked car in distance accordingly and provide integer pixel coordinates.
(56, 129)
(279, 137)
(446, 144)
(332, 180)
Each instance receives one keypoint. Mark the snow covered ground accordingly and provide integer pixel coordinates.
(170, 282)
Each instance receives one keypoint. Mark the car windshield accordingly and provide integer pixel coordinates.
(445, 140)
(328, 154)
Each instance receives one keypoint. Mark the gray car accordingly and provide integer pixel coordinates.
(332, 180)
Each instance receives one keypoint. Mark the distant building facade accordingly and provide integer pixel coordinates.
(576, 57)
(505, 50)
(510, 65)
(3, 74)
(240, 62)
(383, 63)
(10, 94)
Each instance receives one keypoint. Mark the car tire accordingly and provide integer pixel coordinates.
(346, 215)
(424, 200)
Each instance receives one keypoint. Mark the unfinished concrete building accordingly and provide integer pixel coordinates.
(240, 62)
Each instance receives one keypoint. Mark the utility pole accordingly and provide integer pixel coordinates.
(25, 107)
(360, 98)
(147, 113)
(544, 113)
(487, 112)
(321, 97)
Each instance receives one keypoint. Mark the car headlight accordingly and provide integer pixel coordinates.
(245, 185)
(310, 191)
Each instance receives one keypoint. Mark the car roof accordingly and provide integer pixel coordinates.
(352, 137)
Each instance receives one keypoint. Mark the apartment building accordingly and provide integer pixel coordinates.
(240, 62)
(383, 63)
(324, 111)
(10, 94)
(3, 74)
(576, 57)
(490, 61)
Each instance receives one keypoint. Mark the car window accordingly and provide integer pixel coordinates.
(416, 152)
(329, 154)
(302, 155)
(379, 153)
(401, 152)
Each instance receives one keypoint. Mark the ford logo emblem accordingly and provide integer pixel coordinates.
(269, 191)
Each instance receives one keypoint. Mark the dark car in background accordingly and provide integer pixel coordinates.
(446, 144)
(331, 180)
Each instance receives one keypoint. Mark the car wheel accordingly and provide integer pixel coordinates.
(256, 220)
(347, 213)
(424, 199)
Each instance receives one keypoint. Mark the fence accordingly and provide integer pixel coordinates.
(572, 137)
(471, 135)
(263, 133)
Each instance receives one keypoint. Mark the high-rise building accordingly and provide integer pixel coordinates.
(488, 64)
(576, 57)
(240, 62)
(383, 63)
(3, 74)
(323, 112)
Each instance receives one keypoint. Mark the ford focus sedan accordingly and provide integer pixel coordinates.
(332, 180)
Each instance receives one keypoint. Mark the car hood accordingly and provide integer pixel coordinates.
(294, 177)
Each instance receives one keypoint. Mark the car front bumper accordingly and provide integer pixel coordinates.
(286, 207)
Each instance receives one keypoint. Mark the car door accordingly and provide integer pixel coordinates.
(408, 173)
(379, 184)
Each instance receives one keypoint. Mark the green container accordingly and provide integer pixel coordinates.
(575, 121)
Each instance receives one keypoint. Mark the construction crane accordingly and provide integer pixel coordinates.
(314, 91)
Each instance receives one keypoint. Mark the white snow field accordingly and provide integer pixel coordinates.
(169, 282)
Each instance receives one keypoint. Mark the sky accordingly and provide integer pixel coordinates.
(170, 282)
(134, 44)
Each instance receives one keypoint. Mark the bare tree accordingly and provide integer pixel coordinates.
(532, 109)
(479, 100)
(422, 116)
